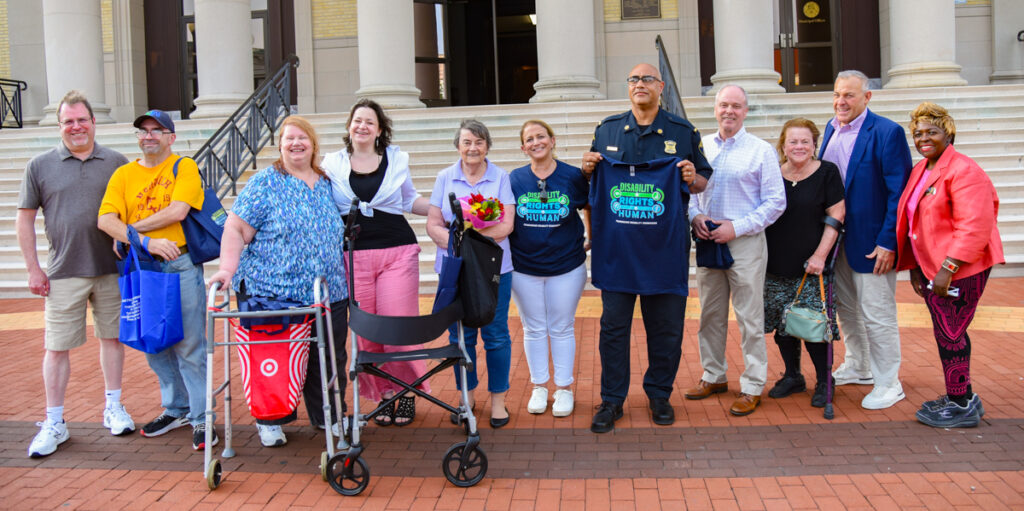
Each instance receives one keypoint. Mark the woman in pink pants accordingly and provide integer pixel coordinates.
(386, 276)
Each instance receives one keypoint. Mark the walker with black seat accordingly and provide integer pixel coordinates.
(290, 365)
(465, 463)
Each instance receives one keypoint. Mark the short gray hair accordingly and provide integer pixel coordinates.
(741, 89)
(475, 127)
(853, 73)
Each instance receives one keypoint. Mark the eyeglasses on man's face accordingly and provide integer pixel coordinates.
(81, 121)
(647, 79)
(150, 133)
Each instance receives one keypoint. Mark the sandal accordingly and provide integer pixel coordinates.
(406, 410)
(386, 417)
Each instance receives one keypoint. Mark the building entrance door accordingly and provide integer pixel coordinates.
(806, 44)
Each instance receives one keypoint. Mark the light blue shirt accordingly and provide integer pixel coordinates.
(746, 187)
(298, 238)
(494, 183)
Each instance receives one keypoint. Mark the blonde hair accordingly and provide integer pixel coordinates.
(542, 124)
(933, 114)
(307, 127)
(799, 122)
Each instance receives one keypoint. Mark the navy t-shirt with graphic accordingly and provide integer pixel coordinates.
(640, 234)
(548, 236)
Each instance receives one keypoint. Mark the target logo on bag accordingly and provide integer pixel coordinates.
(271, 392)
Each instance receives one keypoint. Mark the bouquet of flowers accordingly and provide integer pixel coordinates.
(479, 212)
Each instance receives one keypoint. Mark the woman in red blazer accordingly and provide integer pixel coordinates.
(947, 237)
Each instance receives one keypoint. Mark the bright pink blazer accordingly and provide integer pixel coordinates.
(955, 217)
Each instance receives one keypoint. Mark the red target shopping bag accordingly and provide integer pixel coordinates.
(273, 374)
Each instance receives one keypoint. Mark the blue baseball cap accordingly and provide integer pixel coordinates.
(159, 116)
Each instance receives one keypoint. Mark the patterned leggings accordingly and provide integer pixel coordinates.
(950, 319)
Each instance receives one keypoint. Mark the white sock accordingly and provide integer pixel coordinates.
(113, 398)
(55, 414)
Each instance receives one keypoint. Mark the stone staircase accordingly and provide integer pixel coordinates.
(990, 129)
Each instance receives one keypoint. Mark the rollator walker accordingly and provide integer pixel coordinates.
(322, 334)
(465, 463)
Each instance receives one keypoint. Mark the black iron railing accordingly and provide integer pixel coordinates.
(10, 103)
(235, 146)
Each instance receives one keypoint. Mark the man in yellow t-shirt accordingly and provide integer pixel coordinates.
(146, 195)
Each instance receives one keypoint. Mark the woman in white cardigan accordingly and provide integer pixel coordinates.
(386, 274)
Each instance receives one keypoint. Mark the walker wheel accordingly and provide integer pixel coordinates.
(347, 484)
(213, 474)
(323, 465)
(464, 469)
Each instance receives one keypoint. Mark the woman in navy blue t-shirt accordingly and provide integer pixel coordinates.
(548, 257)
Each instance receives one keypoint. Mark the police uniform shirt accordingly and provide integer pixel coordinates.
(620, 137)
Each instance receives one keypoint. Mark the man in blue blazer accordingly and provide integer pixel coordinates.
(874, 159)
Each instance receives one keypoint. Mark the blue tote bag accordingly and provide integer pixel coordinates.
(204, 227)
(150, 304)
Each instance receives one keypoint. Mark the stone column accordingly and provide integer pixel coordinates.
(129, 60)
(387, 53)
(743, 47)
(223, 57)
(922, 35)
(566, 63)
(74, 56)
(28, 57)
(1007, 50)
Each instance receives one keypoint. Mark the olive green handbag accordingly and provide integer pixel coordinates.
(804, 322)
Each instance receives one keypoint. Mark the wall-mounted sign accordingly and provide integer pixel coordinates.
(641, 9)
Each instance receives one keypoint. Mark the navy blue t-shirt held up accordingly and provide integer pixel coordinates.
(640, 234)
(548, 236)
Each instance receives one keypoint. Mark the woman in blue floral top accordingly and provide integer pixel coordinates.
(282, 233)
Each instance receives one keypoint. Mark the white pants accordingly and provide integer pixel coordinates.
(867, 314)
(744, 281)
(547, 307)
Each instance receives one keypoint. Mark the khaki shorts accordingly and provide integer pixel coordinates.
(65, 310)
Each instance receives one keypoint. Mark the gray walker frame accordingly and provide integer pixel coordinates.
(324, 343)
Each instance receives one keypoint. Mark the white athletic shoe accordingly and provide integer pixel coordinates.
(117, 419)
(883, 397)
(847, 375)
(271, 436)
(563, 404)
(538, 400)
(51, 434)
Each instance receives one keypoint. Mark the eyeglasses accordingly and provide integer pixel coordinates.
(150, 133)
(83, 121)
(647, 79)
(542, 185)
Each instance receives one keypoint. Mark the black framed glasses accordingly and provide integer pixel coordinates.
(647, 79)
(141, 133)
(542, 185)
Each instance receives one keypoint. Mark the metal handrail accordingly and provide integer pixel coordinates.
(236, 144)
(11, 104)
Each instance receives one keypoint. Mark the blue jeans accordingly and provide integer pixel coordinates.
(497, 343)
(181, 369)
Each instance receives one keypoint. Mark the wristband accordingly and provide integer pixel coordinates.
(950, 265)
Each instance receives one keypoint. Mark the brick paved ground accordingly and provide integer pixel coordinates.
(784, 456)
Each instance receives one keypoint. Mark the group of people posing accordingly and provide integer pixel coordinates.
(648, 184)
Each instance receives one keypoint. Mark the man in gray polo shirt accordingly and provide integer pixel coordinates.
(68, 182)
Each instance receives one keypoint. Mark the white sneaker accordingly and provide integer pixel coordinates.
(538, 400)
(883, 397)
(271, 436)
(847, 375)
(51, 434)
(117, 419)
(563, 404)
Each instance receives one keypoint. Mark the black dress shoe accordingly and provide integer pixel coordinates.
(788, 385)
(604, 419)
(819, 399)
(662, 412)
(498, 423)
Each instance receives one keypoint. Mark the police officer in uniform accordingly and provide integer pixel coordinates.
(644, 133)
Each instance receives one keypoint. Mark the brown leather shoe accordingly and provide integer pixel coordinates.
(744, 405)
(705, 389)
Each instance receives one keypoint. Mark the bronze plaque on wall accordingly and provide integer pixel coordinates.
(641, 9)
